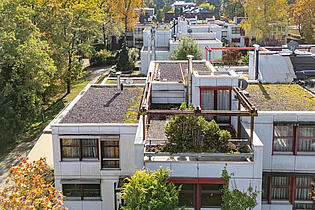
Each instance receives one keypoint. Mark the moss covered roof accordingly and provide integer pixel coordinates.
(281, 97)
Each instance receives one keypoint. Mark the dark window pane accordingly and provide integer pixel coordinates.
(307, 145)
(70, 148)
(210, 195)
(299, 206)
(70, 142)
(280, 193)
(283, 130)
(187, 196)
(89, 148)
(110, 163)
(280, 181)
(265, 185)
(91, 190)
(111, 149)
(282, 144)
(71, 190)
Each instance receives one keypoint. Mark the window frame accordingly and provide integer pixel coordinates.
(197, 182)
(236, 40)
(110, 138)
(291, 187)
(80, 153)
(236, 30)
(82, 197)
(295, 138)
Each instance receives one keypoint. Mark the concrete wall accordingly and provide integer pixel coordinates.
(168, 92)
(281, 162)
(131, 159)
(162, 38)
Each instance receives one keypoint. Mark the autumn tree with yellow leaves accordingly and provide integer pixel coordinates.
(264, 18)
(126, 11)
(30, 186)
(304, 17)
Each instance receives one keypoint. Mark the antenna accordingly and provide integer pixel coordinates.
(293, 45)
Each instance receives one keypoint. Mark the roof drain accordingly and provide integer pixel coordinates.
(189, 83)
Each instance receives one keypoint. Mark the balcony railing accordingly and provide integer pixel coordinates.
(166, 156)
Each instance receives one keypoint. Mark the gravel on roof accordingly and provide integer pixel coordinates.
(170, 72)
(196, 66)
(156, 130)
(106, 105)
(280, 97)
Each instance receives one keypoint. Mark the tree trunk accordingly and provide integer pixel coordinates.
(104, 37)
(126, 28)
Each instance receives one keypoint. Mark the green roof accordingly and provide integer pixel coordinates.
(281, 97)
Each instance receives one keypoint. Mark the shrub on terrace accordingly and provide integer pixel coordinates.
(194, 134)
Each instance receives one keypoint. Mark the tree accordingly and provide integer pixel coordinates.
(304, 17)
(231, 57)
(232, 8)
(186, 47)
(150, 190)
(126, 11)
(30, 186)
(26, 69)
(235, 199)
(264, 17)
(124, 63)
(194, 134)
(207, 6)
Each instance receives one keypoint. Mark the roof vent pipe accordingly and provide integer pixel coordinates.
(189, 82)
(256, 60)
(118, 80)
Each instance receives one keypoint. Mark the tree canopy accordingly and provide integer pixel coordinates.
(187, 46)
(264, 18)
(150, 190)
(30, 186)
(232, 8)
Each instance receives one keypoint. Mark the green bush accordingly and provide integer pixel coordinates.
(192, 133)
(187, 46)
(101, 58)
(124, 63)
(150, 190)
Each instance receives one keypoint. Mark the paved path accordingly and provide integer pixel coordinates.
(41, 146)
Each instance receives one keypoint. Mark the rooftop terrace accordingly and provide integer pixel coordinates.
(281, 97)
(105, 104)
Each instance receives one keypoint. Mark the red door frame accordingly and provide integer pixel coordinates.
(215, 89)
(197, 181)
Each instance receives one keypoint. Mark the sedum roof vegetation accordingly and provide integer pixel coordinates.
(106, 105)
(281, 97)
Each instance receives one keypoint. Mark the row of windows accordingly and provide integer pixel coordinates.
(82, 191)
(294, 138)
(84, 149)
(295, 189)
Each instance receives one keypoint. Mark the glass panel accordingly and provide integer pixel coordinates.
(70, 148)
(187, 196)
(89, 148)
(265, 185)
(306, 145)
(307, 131)
(210, 195)
(110, 163)
(283, 130)
(92, 190)
(303, 182)
(71, 190)
(303, 194)
(280, 193)
(111, 149)
(207, 99)
(223, 103)
(280, 181)
(282, 144)
(298, 206)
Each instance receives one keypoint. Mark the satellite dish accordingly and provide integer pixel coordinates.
(293, 45)
(189, 31)
(242, 84)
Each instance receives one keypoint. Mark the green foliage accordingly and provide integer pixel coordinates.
(26, 69)
(244, 60)
(124, 63)
(102, 57)
(194, 134)
(232, 8)
(133, 54)
(207, 6)
(150, 190)
(231, 57)
(186, 47)
(235, 199)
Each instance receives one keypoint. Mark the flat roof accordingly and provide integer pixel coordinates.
(280, 97)
(106, 104)
(174, 72)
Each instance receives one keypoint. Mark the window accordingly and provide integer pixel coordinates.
(79, 148)
(295, 189)
(280, 188)
(294, 138)
(216, 98)
(199, 192)
(82, 191)
(236, 40)
(236, 30)
(138, 41)
(110, 153)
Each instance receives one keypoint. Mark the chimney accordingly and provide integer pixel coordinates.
(256, 60)
(118, 80)
(189, 82)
